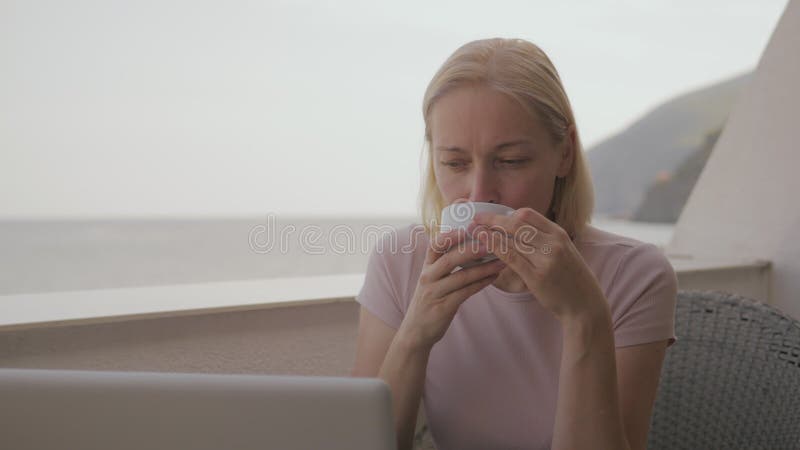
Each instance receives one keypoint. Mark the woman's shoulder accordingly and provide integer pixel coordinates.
(395, 263)
(614, 256)
(404, 240)
(592, 236)
(639, 283)
(402, 248)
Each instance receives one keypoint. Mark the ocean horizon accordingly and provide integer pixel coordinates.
(74, 254)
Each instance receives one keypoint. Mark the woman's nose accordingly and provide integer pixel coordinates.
(483, 186)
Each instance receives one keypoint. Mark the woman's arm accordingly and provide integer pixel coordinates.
(638, 374)
(440, 291)
(404, 370)
(384, 353)
(606, 395)
(588, 413)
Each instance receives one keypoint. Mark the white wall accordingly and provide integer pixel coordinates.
(745, 204)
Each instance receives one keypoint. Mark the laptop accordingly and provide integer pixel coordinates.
(89, 410)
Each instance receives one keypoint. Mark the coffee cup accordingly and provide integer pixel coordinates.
(459, 216)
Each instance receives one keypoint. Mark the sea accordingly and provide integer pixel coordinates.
(65, 255)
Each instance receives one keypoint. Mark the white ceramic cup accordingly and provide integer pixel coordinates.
(459, 216)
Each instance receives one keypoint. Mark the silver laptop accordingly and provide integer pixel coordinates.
(58, 409)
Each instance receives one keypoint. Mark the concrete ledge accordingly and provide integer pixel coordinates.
(750, 278)
(24, 311)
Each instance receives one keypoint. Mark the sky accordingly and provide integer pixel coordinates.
(169, 108)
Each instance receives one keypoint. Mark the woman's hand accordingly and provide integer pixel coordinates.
(542, 254)
(439, 292)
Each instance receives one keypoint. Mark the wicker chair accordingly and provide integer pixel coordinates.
(732, 381)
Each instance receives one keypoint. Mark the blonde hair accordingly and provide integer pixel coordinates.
(523, 71)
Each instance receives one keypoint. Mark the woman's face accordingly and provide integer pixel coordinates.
(486, 148)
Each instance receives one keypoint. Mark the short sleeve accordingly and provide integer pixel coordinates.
(643, 295)
(379, 293)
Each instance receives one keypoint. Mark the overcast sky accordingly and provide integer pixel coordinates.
(228, 108)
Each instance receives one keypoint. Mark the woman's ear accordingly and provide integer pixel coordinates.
(567, 152)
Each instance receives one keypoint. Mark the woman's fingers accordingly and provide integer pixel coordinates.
(439, 291)
(451, 250)
(460, 254)
(457, 297)
(525, 225)
(465, 277)
(443, 242)
(510, 252)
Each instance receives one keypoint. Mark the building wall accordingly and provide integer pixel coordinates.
(745, 204)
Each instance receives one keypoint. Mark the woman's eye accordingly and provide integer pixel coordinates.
(513, 161)
(452, 163)
(461, 164)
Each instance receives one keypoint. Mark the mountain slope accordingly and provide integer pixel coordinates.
(664, 201)
(652, 148)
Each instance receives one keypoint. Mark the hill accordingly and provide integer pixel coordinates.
(650, 150)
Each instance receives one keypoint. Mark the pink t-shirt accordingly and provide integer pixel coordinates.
(492, 381)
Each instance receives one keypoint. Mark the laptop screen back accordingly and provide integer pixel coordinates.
(57, 409)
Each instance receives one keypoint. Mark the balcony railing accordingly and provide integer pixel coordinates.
(36, 310)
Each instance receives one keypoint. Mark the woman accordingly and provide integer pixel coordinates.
(557, 344)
